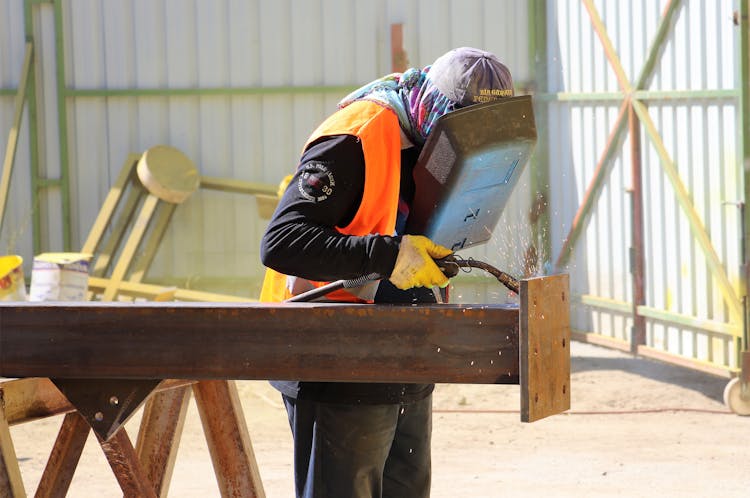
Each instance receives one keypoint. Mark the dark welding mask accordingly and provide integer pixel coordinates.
(467, 169)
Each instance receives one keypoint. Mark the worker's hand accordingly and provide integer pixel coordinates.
(415, 265)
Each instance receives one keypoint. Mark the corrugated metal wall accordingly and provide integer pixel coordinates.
(16, 237)
(689, 142)
(236, 85)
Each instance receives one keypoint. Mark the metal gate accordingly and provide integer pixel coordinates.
(645, 144)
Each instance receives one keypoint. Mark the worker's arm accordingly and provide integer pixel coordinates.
(301, 239)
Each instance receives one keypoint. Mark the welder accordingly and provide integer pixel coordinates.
(343, 216)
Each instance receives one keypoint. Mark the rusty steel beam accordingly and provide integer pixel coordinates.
(305, 341)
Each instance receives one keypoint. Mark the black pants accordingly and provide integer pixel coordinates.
(361, 451)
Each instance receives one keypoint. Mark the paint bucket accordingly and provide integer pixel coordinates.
(12, 285)
(59, 276)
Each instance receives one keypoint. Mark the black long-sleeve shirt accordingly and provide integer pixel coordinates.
(301, 240)
(325, 193)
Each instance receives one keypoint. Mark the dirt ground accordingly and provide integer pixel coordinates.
(637, 428)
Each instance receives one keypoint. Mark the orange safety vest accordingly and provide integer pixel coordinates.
(378, 130)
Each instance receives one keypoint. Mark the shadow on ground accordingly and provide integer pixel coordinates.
(587, 357)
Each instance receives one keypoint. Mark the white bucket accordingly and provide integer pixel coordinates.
(60, 276)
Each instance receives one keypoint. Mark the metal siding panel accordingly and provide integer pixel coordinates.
(726, 66)
(697, 52)
(145, 44)
(244, 48)
(88, 154)
(119, 57)
(44, 54)
(87, 120)
(208, 28)
(278, 150)
(431, 28)
(169, 53)
(572, 47)
(730, 188)
(16, 235)
(407, 13)
(244, 61)
(86, 62)
(697, 180)
(371, 36)
(564, 198)
(498, 24)
(434, 28)
(465, 31)
(621, 221)
(312, 27)
(219, 223)
(275, 33)
(517, 41)
(11, 43)
(49, 155)
(214, 136)
(247, 132)
(330, 46)
(307, 58)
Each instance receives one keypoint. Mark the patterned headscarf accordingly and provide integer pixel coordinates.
(412, 96)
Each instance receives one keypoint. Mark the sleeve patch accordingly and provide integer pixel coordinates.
(316, 182)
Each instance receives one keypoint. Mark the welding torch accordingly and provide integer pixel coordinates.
(449, 265)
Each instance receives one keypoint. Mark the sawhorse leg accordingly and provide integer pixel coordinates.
(124, 462)
(64, 457)
(11, 484)
(228, 440)
(225, 429)
(159, 435)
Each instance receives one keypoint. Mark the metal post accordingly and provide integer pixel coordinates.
(539, 215)
(62, 122)
(33, 131)
(744, 80)
(637, 264)
(399, 59)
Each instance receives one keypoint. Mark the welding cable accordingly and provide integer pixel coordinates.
(596, 412)
(333, 286)
(450, 265)
(454, 260)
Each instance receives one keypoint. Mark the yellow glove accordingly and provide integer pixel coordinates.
(415, 265)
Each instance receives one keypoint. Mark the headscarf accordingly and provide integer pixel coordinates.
(412, 96)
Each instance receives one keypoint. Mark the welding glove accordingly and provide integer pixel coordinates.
(415, 263)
